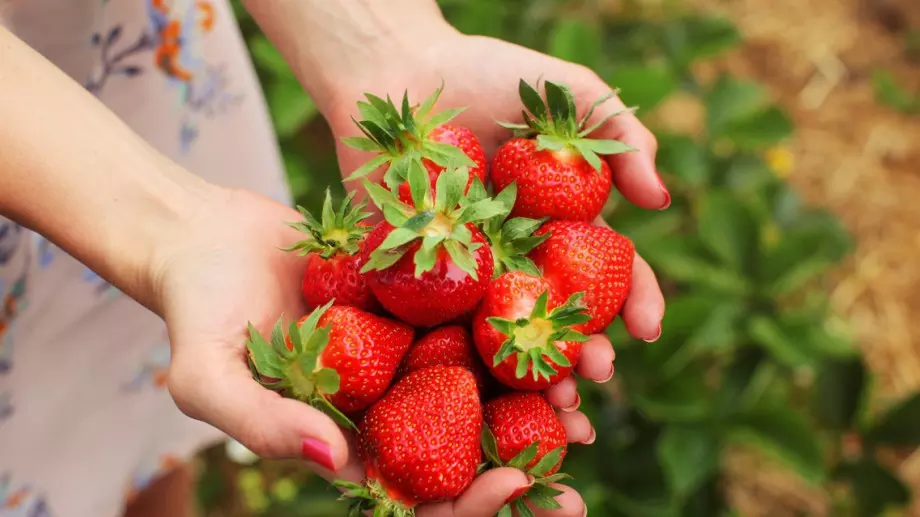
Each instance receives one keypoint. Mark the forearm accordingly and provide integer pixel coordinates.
(72, 171)
(332, 44)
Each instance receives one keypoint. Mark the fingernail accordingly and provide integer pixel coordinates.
(608, 377)
(318, 452)
(657, 335)
(522, 490)
(591, 438)
(574, 406)
(664, 192)
(585, 513)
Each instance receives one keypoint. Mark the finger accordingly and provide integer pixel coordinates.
(578, 428)
(224, 395)
(634, 173)
(596, 361)
(644, 309)
(570, 501)
(485, 496)
(564, 394)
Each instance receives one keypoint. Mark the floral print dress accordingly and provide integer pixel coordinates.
(85, 420)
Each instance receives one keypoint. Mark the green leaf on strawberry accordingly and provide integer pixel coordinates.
(401, 136)
(337, 230)
(512, 239)
(534, 339)
(541, 494)
(289, 363)
(439, 222)
(555, 125)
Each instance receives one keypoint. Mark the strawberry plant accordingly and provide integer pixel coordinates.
(751, 355)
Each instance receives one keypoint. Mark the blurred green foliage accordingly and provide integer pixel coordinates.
(751, 355)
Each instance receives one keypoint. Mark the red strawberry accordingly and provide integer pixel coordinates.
(338, 358)
(399, 136)
(450, 345)
(525, 333)
(429, 264)
(557, 169)
(420, 443)
(522, 431)
(333, 256)
(595, 260)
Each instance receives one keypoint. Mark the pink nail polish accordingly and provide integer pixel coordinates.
(318, 452)
(591, 438)
(608, 377)
(521, 491)
(574, 406)
(658, 335)
(664, 191)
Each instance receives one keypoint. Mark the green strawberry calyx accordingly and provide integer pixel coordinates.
(371, 495)
(439, 221)
(512, 239)
(556, 126)
(297, 372)
(541, 494)
(338, 230)
(400, 136)
(533, 340)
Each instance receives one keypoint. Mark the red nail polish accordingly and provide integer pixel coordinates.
(574, 406)
(521, 491)
(658, 335)
(609, 376)
(591, 438)
(664, 191)
(318, 452)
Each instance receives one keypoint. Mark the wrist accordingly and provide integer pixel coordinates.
(338, 50)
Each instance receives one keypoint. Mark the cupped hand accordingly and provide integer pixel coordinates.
(482, 74)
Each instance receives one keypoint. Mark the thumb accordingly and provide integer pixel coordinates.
(634, 173)
(214, 385)
(485, 496)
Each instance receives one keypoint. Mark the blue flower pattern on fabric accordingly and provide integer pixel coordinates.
(174, 32)
(21, 500)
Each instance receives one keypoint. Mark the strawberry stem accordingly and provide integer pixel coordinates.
(400, 136)
(371, 495)
(439, 221)
(512, 239)
(290, 363)
(533, 340)
(337, 231)
(541, 494)
(554, 123)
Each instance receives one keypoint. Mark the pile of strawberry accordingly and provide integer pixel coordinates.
(438, 328)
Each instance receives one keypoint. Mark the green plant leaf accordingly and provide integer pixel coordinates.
(680, 399)
(576, 40)
(290, 107)
(899, 425)
(786, 435)
(727, 228)
(267, 57)
(875, 488)
(679, 258)
(693, 37)
(892, 94)
(769, 127)
(731, 100)
(689, 455)
(783, 342)
(803, 252)
(644, 85)
(839, 391)
(685, 158)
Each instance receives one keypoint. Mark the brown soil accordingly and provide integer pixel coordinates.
(859, 159)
